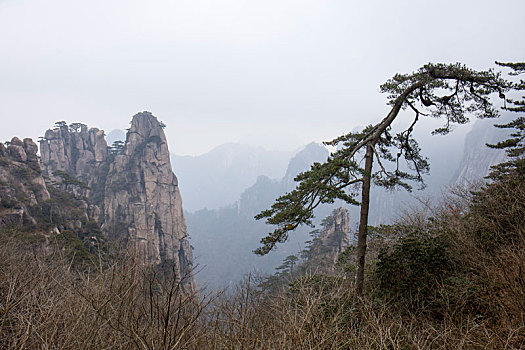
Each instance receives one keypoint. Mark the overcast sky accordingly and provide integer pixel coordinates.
(273, 73)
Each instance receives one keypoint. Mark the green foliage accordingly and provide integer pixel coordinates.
(414, 266)
(515, 144)
(23, 173)
(288, 265)
(468, 92)
(517, 68)
(497, 212)
(464, 265)
(69, 180)
(451, 92)
(58, 210)
(60, 124)
(76, 127)
(500, 217)
(316, 258)
(117, 148)
(74, 247)
(92, 228)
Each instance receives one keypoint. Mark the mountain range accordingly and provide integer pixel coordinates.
(224, 238)
(223, 189)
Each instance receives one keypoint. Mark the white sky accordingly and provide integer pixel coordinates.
(276, 73)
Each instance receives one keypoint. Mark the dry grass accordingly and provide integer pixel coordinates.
(45, 303)
(312, 318)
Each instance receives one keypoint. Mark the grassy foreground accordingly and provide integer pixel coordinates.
(451, 278)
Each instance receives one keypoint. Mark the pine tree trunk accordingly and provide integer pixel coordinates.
(363, 220)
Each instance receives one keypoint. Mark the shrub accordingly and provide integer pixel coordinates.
(497, 213)
(23, 173)
(413, 268)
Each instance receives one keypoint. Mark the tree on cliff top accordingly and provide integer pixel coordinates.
(451, 92)
(515, 144)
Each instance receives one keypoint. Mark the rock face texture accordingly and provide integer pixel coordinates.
(21, 184)
(331, 242)
(82, 153)
(132, 190)
(75, 149)
(142, 202)
(477, 157)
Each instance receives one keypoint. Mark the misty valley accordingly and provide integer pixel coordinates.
(406, 230)
(100, 231)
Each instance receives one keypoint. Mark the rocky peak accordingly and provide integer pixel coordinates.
(74, 149)
(303, 160)
(477, 157)
(142, 200)
(332, 241)
(132, 190)
(82, 153)
(31, 150)
(22, 150)
(339, 221)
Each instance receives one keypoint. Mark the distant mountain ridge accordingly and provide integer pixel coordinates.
(477, 157)
(225, 238)
(217, 178)
(263, 193)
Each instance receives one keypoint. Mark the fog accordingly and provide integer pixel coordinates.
(277, 74)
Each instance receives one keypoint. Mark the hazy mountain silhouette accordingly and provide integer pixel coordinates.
(225, 238)
(218, 178)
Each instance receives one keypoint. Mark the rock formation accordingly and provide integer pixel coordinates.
(132, 191)
(331, 241)
(81, 153)
(477, 157)
(142, 202)
(21, 184)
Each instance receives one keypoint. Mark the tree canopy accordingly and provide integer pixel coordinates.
(515, 144)
(451, 92)
(444, 91)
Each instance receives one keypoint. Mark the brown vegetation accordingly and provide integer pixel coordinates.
(452, 279)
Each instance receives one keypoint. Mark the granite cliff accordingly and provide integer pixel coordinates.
(81, 153)
(22, 187)
(323, 253)
(142, 203)
(131, 190)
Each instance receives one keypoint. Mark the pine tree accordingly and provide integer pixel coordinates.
(117, 148)
(515, 144)
(451, 92)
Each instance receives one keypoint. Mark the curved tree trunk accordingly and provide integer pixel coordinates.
(363, 219)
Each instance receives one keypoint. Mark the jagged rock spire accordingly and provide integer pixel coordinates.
(134, 190)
